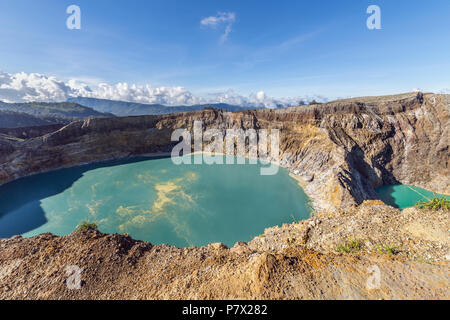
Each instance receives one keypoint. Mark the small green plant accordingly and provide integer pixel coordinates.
(434, 204)
(387, 249)
(86, 226)
(351, 246)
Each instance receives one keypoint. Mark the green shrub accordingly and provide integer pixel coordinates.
(86, 226)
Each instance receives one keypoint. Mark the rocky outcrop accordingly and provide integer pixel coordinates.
(339, 151)
(412, 234)
(280, 267)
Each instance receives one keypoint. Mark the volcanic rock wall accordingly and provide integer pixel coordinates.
(339, 151)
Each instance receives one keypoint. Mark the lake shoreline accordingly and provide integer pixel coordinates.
(149, 194)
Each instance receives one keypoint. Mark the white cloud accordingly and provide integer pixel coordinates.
(260, 99)
(227, 18)
(220, 18)
(23, 87)
(31, 87)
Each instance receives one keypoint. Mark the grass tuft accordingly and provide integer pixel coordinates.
(387, 249)
(351, 246)
(434, 204)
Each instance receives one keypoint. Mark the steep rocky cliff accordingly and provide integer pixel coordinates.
(339, 151)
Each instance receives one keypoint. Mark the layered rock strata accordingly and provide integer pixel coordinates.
(340, 151)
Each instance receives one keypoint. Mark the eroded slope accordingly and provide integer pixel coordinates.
(117, 267)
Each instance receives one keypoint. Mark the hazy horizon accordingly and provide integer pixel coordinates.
(239, 53)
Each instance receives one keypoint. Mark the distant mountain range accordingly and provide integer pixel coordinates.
(11, 119)
(59, 109)
(14, 115)
(122, 108)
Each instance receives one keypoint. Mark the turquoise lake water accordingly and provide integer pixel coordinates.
(404, 196)
(154, 200)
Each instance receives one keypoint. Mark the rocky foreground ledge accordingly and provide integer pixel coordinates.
(407, 251)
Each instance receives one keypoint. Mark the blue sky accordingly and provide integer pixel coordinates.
(284, 48)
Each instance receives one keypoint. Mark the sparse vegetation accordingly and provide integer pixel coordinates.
(387, 249)
(86, 226)
(423, 260)
(434, 204)
(351, 246)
